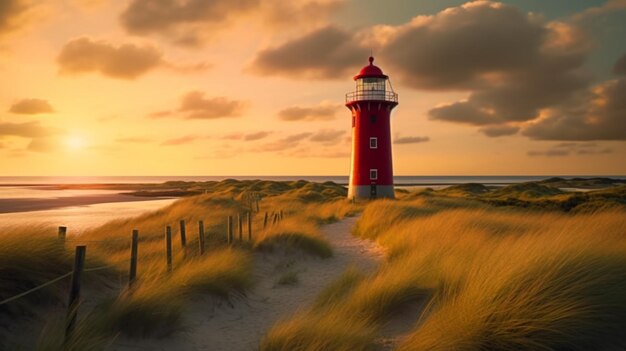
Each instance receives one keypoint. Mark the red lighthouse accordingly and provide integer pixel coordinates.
(371, 169)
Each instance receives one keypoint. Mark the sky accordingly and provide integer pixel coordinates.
(256, 87)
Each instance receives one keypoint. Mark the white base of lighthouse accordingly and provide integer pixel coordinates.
(370, 191)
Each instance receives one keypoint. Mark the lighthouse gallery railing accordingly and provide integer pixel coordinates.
(379, 95)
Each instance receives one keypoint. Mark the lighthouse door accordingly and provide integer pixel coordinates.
(373, 191)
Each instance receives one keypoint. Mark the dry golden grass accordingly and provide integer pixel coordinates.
(21, 263)
(500, 279)
(155, 304)
(294, 233)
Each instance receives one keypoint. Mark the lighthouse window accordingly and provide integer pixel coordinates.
(373, 174)
(373, 143)
(373, 118)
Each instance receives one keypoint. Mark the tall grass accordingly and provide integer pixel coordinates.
(494, 279)
(28, 260)
(294, 233)
(155, 305)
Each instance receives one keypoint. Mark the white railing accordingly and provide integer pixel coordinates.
(376, 95)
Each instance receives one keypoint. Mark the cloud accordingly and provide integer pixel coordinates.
(286, 143)
(567, 149)
(463, 112)
(317, 153)
(620, 66)
(321, 112)
(456, 47)
(45, 144)
(596, 114)
(410, 139)
(192, 22)
(187, 139)
(25, 130)
(13, 15)
(247, 137)
(284, 14)
(184, 22)
(607, 7)
(326, 53)
(196, 106)
(549, 153)
(31, 107)
(127, 61)
(328, 136)
(41, 138)
(256, 136)
(513, 64)
(516, 67)
(499, 130)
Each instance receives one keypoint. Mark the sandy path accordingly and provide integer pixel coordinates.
(239, 324)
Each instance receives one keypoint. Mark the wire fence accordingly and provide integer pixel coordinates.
(51, 282)
(274, 218)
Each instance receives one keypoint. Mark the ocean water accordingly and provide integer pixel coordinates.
(399, 180)
(80, 218)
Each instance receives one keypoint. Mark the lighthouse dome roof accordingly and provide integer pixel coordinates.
(370, 71)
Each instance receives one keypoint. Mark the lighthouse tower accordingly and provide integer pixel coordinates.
(371, 170)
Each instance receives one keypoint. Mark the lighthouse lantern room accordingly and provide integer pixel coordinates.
(371, 168)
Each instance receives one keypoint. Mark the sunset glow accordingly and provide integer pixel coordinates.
(257, 87)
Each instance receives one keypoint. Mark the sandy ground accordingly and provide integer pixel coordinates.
(240, 323)
(13, 205)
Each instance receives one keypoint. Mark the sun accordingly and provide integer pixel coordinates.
(75, 142)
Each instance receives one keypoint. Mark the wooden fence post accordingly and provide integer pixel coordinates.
(132, 274)
(240, 220)
(62, 232)
(249, 227)
(183, 234)
(201, 237)
(281, 215)
(168, 247)
(275, 218)
(230, 230)
(72, 307)
(265, 220)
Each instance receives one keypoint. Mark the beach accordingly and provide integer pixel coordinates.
(77, 209)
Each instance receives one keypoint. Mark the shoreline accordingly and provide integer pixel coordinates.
(19, 205)
(136, 192)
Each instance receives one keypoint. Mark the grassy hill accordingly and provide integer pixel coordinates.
(544, 195)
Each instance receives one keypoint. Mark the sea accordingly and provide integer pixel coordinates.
(398, 180)
(80, 218)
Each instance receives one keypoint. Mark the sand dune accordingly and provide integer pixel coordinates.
(239, 324)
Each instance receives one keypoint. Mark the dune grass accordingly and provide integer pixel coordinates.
(294, 233)
(155, 305)
(25, 264)
(492, 279)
